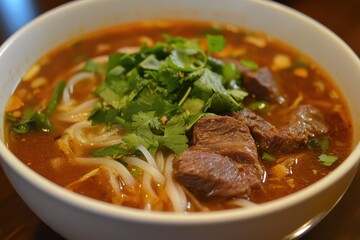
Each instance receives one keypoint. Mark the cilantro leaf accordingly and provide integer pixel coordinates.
(327, 159)
(114, 151)
(91, 66)
(141, 131)
(174, 135)
(216, 43)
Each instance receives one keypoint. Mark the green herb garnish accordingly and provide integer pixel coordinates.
(114, 151)
(249, 64)
(216, 43)
(327, 159)
(158, 93)
(35, 119)
(259, 106)
(268, 157)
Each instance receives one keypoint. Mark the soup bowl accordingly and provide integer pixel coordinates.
(77, 217)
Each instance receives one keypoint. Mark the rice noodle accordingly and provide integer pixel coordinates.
(78, 113)
(69, 88)
(121, 170)
(104, 139)
(147, 155)
(154, 172)
(243, 203)
(173, 190)
(83, 178)
(160, 162)
(146, 183)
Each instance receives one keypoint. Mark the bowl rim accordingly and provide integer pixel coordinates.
(170, 218)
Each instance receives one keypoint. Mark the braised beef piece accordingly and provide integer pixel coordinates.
(264, 133)
(223, 160)
(213, 174)
(226, 136)
(262, 85)
(305, 122)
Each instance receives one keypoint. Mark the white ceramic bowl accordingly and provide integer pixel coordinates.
(77, 217)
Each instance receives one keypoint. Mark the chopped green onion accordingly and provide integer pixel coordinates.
(216, 43)
(249, 64)
(55, 97)
(324, 144)
(42, 122)
(314, 143)
(259, 106)
(268, 157)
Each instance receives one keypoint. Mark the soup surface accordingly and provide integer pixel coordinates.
(178, 116)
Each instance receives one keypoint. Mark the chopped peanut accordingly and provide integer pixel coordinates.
(14, 103)
(38, 82)
(301, 72)
(257, 41)
(31, 73)
(280, 61)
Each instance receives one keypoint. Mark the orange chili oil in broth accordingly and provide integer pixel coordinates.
(38, 148)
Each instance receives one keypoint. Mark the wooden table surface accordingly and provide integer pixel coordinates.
(343, 223)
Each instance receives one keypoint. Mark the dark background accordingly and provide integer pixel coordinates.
(343, 223)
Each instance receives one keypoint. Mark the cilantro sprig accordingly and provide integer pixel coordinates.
(159, 92)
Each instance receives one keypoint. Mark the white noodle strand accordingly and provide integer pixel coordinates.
(120, 169)
(160, 162)
(147, 155)
(158, 177)
(177, 198)
(243, 203)
(69, 88)
(77, 114)
(104, 139)
(115, 185)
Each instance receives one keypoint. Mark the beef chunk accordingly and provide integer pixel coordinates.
(226, 136)
(305, 122)
(263, 132)
(223, 160)
(213, 174)
(262, 85)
